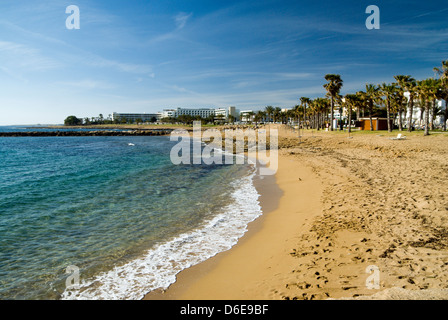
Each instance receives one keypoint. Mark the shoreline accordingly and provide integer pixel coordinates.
(347, 205)
(261, 257)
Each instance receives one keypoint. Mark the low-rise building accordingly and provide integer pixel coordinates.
(247, 115)
(225, 113)
(201, 112)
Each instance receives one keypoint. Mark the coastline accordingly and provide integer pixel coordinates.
(260, 260)
(346, 205)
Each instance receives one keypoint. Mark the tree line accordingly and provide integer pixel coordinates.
(75, 121)
(396, 99)
(392, 100)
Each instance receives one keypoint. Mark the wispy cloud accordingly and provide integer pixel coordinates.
(88, 84)
(181, 19)
(55, 53)
(132, 68)
(21, 58)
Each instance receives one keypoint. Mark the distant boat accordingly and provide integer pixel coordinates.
(131, 144)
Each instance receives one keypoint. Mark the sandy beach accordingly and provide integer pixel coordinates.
(337, 206)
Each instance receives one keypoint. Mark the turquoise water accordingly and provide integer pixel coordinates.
(124, 215)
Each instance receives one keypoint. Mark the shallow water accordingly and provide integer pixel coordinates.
(123, 214)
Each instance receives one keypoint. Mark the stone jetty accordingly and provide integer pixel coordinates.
(150, 132)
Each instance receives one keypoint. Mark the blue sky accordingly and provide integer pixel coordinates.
(145, 56)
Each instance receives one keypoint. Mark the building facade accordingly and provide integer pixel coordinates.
(174, 113)
(247, 115)
(219, 113)
(418, 113)
(225, 113)
(201, 112)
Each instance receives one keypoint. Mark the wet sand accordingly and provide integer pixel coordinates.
(345, 204)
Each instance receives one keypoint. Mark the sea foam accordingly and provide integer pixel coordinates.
(158, 267)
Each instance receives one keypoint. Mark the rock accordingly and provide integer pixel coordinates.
(86, 133)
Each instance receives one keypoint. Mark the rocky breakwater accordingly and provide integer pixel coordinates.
(152, 132)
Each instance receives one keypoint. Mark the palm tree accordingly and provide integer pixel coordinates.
(399, 101)
(443, 72)
(269, 111)
(361, 103)
(284, 116)
(443, 94)
(313, 107)
(388, 91)
(443, 76)
(435, 111)
(276, 113)
(305, 102)
(410, 86)
(257, 117)
(407, 83)
(322, 105)
(312, 113)
(351, 100)
(296, 112)
(261, 115)
(372, 96)
(249, 116)
(398, 106)
(333, 87)
(290, 114)
(428, 89)
(421, 103)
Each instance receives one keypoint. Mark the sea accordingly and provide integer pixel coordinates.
(111, 218)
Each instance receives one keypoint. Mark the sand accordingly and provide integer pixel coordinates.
(337, 206)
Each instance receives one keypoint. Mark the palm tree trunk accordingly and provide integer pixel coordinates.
(400, 125)
(321, 115)
(411, 107)
(426, 119)
(422, 113)
(332, 113)
(349, 119)
(389, 129)
(433, 115)
(445, 117)
(370, 115)
(304, 116)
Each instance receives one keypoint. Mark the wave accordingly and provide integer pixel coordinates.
(158, 267)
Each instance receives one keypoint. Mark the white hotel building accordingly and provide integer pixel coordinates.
(226, 112)
(174, 113)
(202, 112)
(417, 116)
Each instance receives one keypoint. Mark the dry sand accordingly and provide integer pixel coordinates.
(345, 204)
